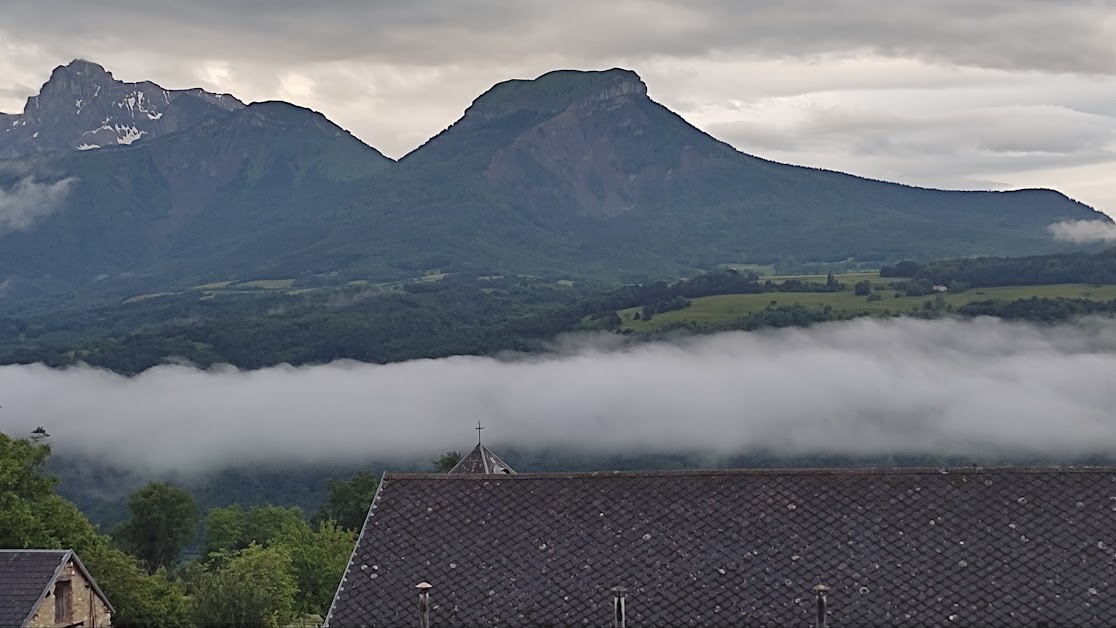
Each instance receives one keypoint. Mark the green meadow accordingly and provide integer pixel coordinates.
(725, 310)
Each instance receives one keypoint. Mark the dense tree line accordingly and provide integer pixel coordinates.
(420, 320)
(261, 565)
(979, 272)
(1038, 309)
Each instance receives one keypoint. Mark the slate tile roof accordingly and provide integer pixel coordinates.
(997, 547)
(24, 578)
(482, 460)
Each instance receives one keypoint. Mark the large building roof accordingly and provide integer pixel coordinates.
(997, 547)
(25, 579)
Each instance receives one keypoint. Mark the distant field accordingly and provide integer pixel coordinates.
(722, 311)
(144, 297)
(267, 284)
(216, 285)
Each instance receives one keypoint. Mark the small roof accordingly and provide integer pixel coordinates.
(906, 547)
(25, 579)
(482, 460)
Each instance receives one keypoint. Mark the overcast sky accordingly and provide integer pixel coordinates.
(948, 93)
(869, 386)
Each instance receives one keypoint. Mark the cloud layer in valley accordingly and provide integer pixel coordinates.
(28, 201)
(1084, 231)
(947, 93)
(864, 387)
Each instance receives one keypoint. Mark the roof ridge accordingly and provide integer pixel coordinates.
(762, 471)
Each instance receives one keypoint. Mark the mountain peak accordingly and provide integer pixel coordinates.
(84, 68)
(555, 91)
(83, 107)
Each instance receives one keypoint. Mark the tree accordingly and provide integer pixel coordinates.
(234, 528)
(447, 461)
(254, 587)
(33, 516)
(318, 559)
(140, 599)
(348, 501)
(164, 519)
(223, 528)
(862, 288)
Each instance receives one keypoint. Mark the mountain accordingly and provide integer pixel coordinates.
(631, 184)
(83, 107)
(176, 209)
(572, 174)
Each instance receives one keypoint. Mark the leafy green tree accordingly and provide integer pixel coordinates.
(235, 528)
(164, 519)
(318, 558)
(447, 461)
(33, 516)
(140, 599)
(862, 288)
(348, 501)
(223, 528)
(24, 487)
(254, 587)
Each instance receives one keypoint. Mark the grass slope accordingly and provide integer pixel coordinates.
(726, 310)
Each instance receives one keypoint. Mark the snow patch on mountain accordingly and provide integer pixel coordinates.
(131, 134)
(83, 107)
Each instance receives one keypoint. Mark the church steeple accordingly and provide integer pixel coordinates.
(482, 460)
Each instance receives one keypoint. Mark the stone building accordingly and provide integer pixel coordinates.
(895, 547)
(49, 588)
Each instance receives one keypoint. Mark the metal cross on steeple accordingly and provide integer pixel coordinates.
(478, 428)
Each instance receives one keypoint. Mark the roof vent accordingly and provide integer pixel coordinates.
(424, 603)
(819, 593)
(619, 619)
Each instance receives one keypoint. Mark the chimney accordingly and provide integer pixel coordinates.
(619, 612)
(819, 593)
(424, 603)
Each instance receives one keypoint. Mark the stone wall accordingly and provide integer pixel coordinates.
(86, 605)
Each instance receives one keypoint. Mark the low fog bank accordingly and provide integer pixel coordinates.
(1084, 231)
(860, 388)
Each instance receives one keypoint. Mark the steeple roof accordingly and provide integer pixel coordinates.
(482, 460)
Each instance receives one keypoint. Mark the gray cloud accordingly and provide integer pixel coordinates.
(860, 387)
(1084, 231)
(1067, 36)
(1010, 130)
(28, 201)
(959, 148)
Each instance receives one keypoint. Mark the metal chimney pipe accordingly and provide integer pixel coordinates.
(619, 612)
(424, 603)
(819, 594)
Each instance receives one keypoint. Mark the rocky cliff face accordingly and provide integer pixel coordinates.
(592, 145)
(82, 107)
(555, 91)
